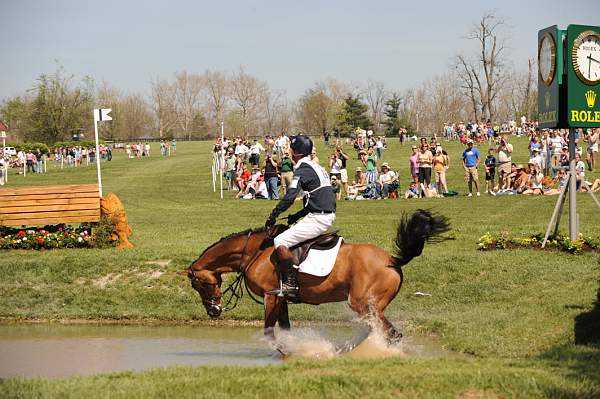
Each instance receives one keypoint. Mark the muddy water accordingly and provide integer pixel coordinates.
(51, 350)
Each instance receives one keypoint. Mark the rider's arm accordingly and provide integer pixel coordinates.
(290, 196)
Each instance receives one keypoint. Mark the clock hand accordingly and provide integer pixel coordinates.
(589, 66)
(589, 57)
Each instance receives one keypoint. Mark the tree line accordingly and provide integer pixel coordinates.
(482, 85)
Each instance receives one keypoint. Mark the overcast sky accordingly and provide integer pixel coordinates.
(290, 44)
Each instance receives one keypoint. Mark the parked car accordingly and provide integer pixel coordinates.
(11, 151)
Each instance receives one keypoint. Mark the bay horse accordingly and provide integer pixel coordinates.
(365, 275)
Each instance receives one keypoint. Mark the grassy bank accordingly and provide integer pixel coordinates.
(392, 378)
(503, 306)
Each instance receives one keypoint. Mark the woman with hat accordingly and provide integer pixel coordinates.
(388, 181)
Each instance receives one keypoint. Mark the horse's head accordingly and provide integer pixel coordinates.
(208, 285)
(233, 253)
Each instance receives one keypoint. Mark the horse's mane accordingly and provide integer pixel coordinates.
(235, 235)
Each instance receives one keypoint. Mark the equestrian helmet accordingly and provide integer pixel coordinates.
(301, 144)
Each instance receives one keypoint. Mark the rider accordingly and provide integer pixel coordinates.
(318, 210)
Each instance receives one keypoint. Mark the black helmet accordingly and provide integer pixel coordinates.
(301, 144)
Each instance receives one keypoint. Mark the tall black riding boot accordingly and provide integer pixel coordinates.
(289, 273)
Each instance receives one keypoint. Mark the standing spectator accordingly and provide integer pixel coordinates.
(556, 142)
(30, 158)
(370, 166)
(270, 174)
(413, 164)
(343, 171)
(470, 159)
(40, 161)
(335, 165)
(313, 156)
(579, 171)
(425, 159)
(147, 149)
(3, 169)
(255, 149)
(230, 161)
(379, 146)
(504, 162)
(592, 138)
(440, 165)
(174, 146)
(490, 172)
(286, 168)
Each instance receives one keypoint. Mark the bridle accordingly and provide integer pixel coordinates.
(236, 289)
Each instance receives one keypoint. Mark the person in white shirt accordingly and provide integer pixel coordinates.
(241, 149)
(556, 144)
(388, 180)
(255, 150)
(579, 170)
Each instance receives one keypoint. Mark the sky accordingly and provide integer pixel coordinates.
(289, 44)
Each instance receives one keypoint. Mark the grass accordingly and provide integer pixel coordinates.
(513, 311)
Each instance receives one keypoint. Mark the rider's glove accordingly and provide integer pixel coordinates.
(291, 219)
(271, 220)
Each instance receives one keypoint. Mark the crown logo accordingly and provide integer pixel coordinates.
(590, 97)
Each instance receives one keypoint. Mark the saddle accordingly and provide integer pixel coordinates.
(322, 242)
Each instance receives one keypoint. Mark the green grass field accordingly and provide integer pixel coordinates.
(514, 312)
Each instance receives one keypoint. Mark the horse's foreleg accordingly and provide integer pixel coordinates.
(272, 310)
(284, 318)
(393, 335)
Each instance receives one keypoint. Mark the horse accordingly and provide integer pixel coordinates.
(365, 275)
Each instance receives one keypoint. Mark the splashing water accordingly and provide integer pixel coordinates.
(311, 343)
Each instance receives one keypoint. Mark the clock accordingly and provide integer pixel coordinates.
(586, 57)
(547, 58)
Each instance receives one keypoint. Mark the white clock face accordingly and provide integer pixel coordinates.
(546, 59)
(586, 58)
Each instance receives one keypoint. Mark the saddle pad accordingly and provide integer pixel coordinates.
(320, 262)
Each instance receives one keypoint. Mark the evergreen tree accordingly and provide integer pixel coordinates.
(391, 121)
(353, 115)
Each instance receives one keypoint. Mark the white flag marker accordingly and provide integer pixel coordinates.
(100, 115)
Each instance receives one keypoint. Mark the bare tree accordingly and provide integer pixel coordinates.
(136, 117)
(469, 83)
(110, 97)
(487, 32)
(164, 105)
(375, 95)
(248, 93)
(188, 92)
(217, 87)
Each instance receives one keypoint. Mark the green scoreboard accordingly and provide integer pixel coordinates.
(569, 77)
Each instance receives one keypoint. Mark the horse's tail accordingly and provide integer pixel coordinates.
(412, 233)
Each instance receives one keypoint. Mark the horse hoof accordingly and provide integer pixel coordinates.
(394, 337)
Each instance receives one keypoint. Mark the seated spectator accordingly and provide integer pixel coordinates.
(521, 181)
(359, 184)
(388, 181)
(412, 191)
(535, 180)
(242, 180)
(335, 185)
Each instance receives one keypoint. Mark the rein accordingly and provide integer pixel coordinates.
(236, 288)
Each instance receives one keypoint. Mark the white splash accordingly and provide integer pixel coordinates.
(310, 343)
